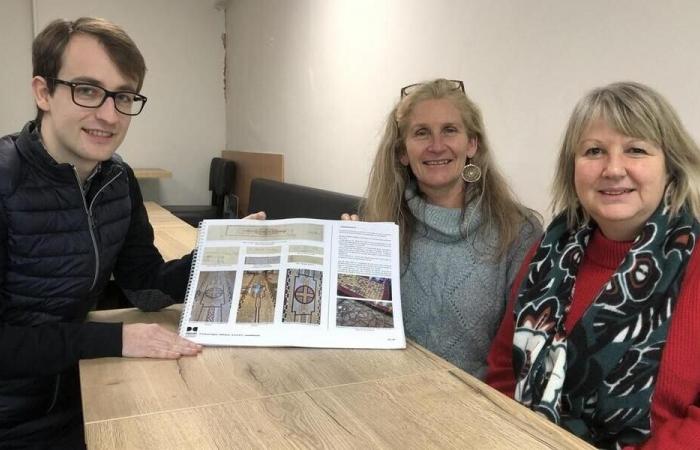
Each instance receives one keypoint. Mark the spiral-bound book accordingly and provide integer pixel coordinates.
(295, 282)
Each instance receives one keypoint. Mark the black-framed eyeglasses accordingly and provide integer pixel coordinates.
(454, 84)
(92, 96)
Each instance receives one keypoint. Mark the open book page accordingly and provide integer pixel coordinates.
(295, 282)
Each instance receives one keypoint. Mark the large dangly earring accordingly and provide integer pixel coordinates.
(471, 172)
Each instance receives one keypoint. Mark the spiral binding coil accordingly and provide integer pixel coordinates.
(193, 270)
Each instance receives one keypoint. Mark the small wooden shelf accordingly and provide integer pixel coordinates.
(152, 173)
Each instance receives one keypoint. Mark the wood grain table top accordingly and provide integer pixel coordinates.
(173, 236)
(242, 397)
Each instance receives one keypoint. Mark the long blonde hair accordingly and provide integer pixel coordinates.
(635, 110)
(384, 198)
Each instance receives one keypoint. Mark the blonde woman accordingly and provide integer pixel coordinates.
(463, 234)
(602, 337)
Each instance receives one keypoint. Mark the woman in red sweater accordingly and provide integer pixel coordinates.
(603, 336)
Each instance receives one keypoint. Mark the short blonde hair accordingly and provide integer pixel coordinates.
(384, 198)
(638, 111)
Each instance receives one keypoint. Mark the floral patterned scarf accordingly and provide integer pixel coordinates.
(598, 380)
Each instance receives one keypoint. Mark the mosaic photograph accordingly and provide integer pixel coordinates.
(302, 296)
(258, 294)
(359, 313)
(212, 299)
(360, 286)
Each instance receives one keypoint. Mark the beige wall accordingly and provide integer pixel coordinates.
(16, 104)
(314, 79)
(183, 125)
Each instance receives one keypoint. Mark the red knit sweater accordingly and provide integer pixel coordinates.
(675, 405)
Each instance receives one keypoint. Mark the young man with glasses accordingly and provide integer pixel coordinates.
(71, 216)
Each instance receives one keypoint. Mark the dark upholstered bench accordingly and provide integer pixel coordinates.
(285, 200)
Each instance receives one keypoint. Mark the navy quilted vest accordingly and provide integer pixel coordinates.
(59, 250)
(61, 244)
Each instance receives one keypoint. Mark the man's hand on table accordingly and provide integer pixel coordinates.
(143, 340)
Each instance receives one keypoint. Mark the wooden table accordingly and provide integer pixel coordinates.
(173, 236)
(239, 397)
(142, 173)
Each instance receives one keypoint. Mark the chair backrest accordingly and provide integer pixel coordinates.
(222, 176)
(285, 200)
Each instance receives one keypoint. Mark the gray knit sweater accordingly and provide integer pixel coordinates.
(453, 293)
